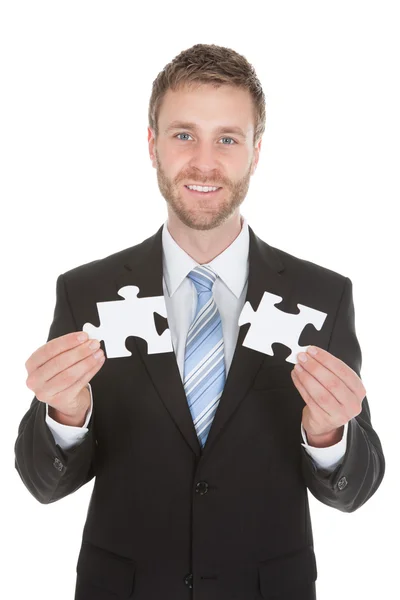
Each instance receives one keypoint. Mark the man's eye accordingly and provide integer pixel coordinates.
(223, 138)
(228, 138)
(181, 134)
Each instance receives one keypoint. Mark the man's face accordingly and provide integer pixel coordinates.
(213, 153)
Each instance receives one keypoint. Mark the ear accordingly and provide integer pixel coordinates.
(256, 157)
(151, 142)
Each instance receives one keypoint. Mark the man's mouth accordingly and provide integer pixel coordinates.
(201, 189)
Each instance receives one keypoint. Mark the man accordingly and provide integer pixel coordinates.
(202, 456)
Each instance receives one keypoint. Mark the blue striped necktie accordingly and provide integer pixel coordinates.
(204, 368)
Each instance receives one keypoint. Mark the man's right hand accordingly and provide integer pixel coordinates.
(58, 374)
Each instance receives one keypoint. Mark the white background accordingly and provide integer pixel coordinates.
(77, 185)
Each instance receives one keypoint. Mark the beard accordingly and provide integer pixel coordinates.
(211, 213)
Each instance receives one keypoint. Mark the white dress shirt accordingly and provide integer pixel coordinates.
(230, 288)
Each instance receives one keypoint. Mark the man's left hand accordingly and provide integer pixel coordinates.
(333, 394)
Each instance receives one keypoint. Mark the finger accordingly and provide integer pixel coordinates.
(51, 349)
(65, 379)
(318, 379)
(65, 360)
(319, 395)
(345, 373)
(70, 378)
(73, 373)
(59, 363)
(306, 396)
(74, 389)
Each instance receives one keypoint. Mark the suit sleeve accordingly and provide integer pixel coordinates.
(49, 472)
(361, 471)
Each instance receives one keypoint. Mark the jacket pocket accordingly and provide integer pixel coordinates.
(281, 575)
(106, 570)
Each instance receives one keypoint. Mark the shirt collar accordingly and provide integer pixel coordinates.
(231, 265)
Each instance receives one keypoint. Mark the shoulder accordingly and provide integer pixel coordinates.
(108, 266)
(305, 270)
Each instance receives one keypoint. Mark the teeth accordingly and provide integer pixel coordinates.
(200, 188)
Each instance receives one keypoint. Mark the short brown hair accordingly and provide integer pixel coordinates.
(215, 65)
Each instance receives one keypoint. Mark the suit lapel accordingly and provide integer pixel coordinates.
(144, 269)
(265, 274)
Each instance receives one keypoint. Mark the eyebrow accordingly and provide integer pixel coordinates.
(193, 126)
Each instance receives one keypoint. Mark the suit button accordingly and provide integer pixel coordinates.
(342, 483)
(189, 580)
(202, 488)
(58, 464)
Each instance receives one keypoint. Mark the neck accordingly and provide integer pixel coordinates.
(204, 245)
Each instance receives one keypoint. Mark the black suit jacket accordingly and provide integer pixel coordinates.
(168, 519)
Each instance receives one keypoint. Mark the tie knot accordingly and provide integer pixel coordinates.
(203, 278)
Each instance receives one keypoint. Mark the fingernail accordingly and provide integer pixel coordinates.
(312, 350)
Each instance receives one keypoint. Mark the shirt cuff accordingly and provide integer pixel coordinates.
(330, 457)
(67, 436)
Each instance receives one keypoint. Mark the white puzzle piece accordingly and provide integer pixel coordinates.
(133, 316)
(269, 325)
